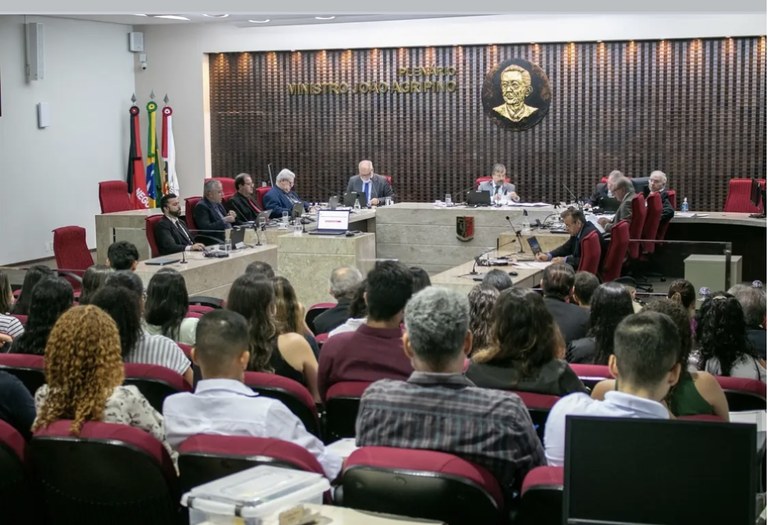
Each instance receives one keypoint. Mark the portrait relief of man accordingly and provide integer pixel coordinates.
(515, 87)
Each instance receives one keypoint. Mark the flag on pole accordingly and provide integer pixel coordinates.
(168, 150)
(137, 187)
(154, 171)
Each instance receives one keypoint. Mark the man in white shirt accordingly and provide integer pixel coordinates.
(645, 366)
(223, 405)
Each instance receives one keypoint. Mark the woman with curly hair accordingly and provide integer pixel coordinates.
(84, 374)
(166, 307)
(290, 313)
(287, 354)
(482, 299)
(50, 298)
(610, 303)
(722, 335)
(526, 348)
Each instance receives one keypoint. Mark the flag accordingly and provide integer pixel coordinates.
(154, 171)
(137, 187)
(168, 152)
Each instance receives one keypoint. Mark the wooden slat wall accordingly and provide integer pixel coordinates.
(692, 108)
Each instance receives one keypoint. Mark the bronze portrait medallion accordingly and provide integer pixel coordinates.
(516, 94)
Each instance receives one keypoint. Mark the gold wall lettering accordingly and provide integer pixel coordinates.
(415, 82)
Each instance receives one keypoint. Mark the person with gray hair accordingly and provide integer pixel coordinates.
(438, 408)
(752, 301)
(657, 183)
(344, 283)
(602, 189)
(211, 218)
(375, 187)
(281, 197)
(624, 192)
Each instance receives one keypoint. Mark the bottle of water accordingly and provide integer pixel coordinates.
(684, 207)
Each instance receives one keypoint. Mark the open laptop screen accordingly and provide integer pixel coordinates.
(333, 220)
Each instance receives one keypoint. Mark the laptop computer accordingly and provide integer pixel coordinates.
(533, 242)
(162, 261)
(478, 198)
(237, 236)
(351, 197)
(332, 222)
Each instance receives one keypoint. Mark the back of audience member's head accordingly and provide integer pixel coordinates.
(288, 310)
(584, 285)
(558, 280)
(420, 279)
(51, 297)
(260, 268)
(524, 332)
(679, 316)
(390, 286)
(6, 294)
(722, 332)
(482, 299)
(436, 323)
(167, 302)
(682, 291)
(253, 297)
(94, 278)
(610, 303)
(126, 279)
(221, 339)
(344, 282)
(752, 301)
(82, 367)
(122, 255)
(357, 308)
(124, 306)
(646, 347)
(498, 279)
(33, 275)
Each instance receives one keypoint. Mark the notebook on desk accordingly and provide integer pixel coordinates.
(162, 261)
(332, 222)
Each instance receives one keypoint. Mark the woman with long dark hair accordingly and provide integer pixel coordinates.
(482, 300)
(93, 279)
(31, 278)
(166, 307)
(50, 298)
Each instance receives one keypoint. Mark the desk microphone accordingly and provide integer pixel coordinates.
(477, 260)
(518, 235)
(573, 196)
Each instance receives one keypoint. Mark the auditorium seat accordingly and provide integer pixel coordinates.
(541, 498)
(538, 406)
(114, 196)
(21, 317)
(30, 369)
(662, 233)
(590, 374)
(616, 252)
(420, 484)
(652, 221)
(206, 301)
(200, 308)
(207, 457)
(636, 225)
(259, 194)
(187, 349)
(590, 253)
(149, 226)
(342, 401)
(292, 394)
(71, 253)
(155, 382)
(227, 185)
(742, 393)
(189, 215)
(110, 473)
(315, 310)
(480, 180)
(738, 198)
(16, 496)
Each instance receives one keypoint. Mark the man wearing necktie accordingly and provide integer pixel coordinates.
(171, 235)
(499, 188)
(210, 216)
(366, 182)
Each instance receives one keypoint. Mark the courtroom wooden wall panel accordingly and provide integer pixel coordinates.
(693, 108)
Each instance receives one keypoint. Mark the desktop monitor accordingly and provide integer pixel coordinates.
(662, 472)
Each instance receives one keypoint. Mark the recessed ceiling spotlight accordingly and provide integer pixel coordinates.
(225, 15)
(259, 21)
(171, 17)
(324, 17)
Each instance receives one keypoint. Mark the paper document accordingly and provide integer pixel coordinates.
(537, 265)
(528, 204)
(343, 447)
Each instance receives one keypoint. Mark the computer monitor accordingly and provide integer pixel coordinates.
(662, 472)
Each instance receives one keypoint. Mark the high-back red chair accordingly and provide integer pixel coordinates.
(114, 196)
(541, 497)
(743, 393)
(292, 394)
(189, 212)
(227, 185)
(739, 196)
(591, 374)
(155, 382)
(315, 310)
(480, 180)
(342, 402)
(71, 253)
(617, 251)
(422, 484)
(110, 473)
(30, 369)
(538, 406)
(259, 195)
(207, 457)
(652, 221)
(662, 233)
(149, 225)
(636, 225)
(590, 253)
(16, 497)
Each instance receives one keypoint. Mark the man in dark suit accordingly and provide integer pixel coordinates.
(570, 252)
(210, 216)
(242, 202)
(171, 234)
(374, 187)
(601, 190)
(557, 284)
(498, 187)
(282, 197)
(344, 283)
(623, 191)
(657, 182)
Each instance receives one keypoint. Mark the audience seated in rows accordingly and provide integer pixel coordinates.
(84, 374)
(645, 365)
(121, 298)
(122, 255)
(289, 313)
(557, 284)
(51, 297)
(93, 279)
(498, 279)
(10, 327)
(721, 332)
(611, 303)
(17, 407)
(752, 301)
(344, 282)
(526, 349)
(222, 404)
(696, 392)
(438, 408)
(584, 285)
(375, 350)
(31, 277)
(166, 307)
(289, 354)
(358, 311)
(482, 300)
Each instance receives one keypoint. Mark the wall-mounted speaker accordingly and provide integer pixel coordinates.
(35, 59)
(136, 42)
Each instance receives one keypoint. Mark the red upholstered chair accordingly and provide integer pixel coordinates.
(662, 234)
(259, 194)
(617, 251)
(538, 406)
(201, 308)
(155, 382)
(72, 254)
(388, 177)
(30, 369)
(742, 393)
(189, 212)
(738, 198)
(22, 318)
(315, 310)
(114, 196)
(110, 473)
(541, 498)
(149, 225)
(480, 180)
(227, 185)
(342, 401)
(702, 417)
(206, 457)
(590, 253)
(652, 221)
(205, 301)
(589, 374)
(636, 225)
(292, 394)
(187, 349)
(15, 490)
(421, 484)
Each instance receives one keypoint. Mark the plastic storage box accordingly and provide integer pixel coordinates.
(251, 496)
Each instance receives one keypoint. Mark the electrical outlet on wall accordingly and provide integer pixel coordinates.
(49, 246)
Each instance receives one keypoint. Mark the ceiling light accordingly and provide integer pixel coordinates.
(259, 21)
(140, 14)
(324, 17)
(171, 17)
(216, 16)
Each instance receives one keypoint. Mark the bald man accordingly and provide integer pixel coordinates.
(366, 182)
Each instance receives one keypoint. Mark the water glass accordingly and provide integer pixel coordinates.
(448, 201)
(298, 228)
(284, 221)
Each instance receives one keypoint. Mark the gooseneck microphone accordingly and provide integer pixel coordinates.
(518, 235)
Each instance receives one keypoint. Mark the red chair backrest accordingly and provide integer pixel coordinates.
(294, 395)
(30, 369)
(22, 318)
(71, 251)
(388, 177)
(743, 393)
(480, 180)
(652, 220)
(227, 185)
(591, 371)
(189, 212)
(662, 233)
(149, 225)
(155, 382)
(187, 349)
(738, 198)
(315, 310)
(16, 495)
(541, 498)
(636, 225)
(114, 196)
(342, 402)
(590, 253)
(259, 194)
(617, 251)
